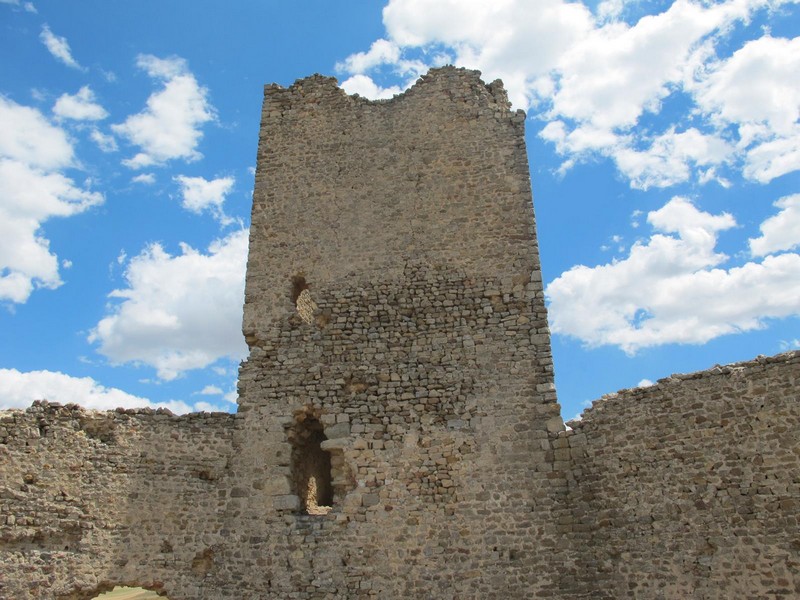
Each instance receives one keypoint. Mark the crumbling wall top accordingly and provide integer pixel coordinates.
(622, 400)
(466, 81)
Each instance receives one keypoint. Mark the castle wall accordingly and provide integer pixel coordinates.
(91, 500)
(690, 488)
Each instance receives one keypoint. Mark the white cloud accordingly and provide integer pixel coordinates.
(781, 231)
(757, 90)
(32, 190)
(671, 289)
(80, 106)
(144, 178)
(19, 390)
(178, 312)
(757, 84)
(105, 142)
(162, 68)
(201, 194)
(645, 383)
(381, 52)
(169, 127)
(210, 390)
(770, 159)
(58, 47)
(28, 198)
(363, 85)
(671, 158)
(30, 138)
(618, 73)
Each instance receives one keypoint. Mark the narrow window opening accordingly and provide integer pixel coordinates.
(311, 466)
(301, 296)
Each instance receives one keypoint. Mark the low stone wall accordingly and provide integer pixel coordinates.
(689, 488)
(89, 500)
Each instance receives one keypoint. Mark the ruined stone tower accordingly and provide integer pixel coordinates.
(398, 434)
(395, 317)
(399, 351)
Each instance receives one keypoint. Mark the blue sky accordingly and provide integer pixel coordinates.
(664, 143)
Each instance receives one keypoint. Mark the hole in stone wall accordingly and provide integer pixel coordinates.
(301, 296)
(306, 306)
(311, 466)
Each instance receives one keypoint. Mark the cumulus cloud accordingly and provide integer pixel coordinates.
(381, 52)
(105, 142)
(365, 86)
(33, 189)
(19, 389)
(30, 138)
(210, 390)
(672, 288)
(178, 312)
(80, 106)
(757, 91)
(781, 231)
(170, 126)
(199, 195)
(756, 85)
(144, 178)
(671, 157)
(58, 47)
(29, 198)
(606, 83)
(595, 78)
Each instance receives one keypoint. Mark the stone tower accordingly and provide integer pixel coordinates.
(399, 390)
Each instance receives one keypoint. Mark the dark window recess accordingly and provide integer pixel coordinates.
(311, 466)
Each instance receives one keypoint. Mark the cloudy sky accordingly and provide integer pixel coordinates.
(664, 143)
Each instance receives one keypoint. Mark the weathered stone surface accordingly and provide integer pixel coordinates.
(398, 433)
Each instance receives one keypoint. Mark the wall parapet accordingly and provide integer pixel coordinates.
(737, 369)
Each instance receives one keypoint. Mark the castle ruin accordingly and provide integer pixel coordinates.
(398, 433)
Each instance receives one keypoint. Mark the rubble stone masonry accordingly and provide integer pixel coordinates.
(398, 434)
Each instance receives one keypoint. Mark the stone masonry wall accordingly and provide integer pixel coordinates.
(91, 500)
(690, 488)
(398, 434)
